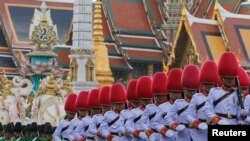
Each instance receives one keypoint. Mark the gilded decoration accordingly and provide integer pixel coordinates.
(81, 52)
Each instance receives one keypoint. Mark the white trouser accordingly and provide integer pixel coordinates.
(199, 135)
(183, 135)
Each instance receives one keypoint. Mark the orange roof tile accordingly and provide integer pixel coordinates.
(238, 31)
(244, 9)
(145, 56)
(156, 15)
(118, 64)
(111, 49)
(206, 36)
(128, 15)
(105, 28)
(201, 8)
(230, 5)
(138, 40)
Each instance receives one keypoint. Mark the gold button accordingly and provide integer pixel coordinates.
(229, 115)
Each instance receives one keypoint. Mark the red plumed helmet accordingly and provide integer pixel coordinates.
(70, 103)
(228, 65)
(243, 77)
(209, 73)
(82, 100)
(174, 80)
(131, 90)
(144, 87)
(93, 99)
(190, 77)
(159, 85)
(118, 93)
(105, 96)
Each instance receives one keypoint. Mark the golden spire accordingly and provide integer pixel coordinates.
(182, 3)
(67, 86)
(103, 71)
(51, 88)
(98, 33)
(7, 85)
(44, 19)
(164, 66)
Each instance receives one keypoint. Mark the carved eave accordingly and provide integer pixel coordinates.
(218, 15)
(185, 49)
(69, 35)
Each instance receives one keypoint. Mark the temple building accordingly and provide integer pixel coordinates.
(136, 43)
(158, 35)
(199, 39)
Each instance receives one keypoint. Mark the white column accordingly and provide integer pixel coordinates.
(82, 40)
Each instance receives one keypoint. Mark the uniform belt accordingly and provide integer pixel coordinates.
(167, 126)
(91, 138)
(155, 131)
(203, 120)
(65, 139)
(229, 116)
(116, 134)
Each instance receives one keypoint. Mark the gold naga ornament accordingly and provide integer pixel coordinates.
(51, 88)
(67, 86)
(7, 85)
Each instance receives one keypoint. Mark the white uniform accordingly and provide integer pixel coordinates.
(116, 129)
(173, 116)
(98, 119)
(72, 128)
(127, 115)
(160, 119)
(227, 107)
(86, 129)
(136, 123)
(200, 109)
(148, 117)
(247, 106)
(60, 133)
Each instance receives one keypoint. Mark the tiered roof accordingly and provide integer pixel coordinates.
(128, 37)
(208, 38)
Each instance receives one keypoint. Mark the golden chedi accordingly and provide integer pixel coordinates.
(67, 86)
(103, 71)
(51, 88)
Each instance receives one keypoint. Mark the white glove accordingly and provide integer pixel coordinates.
(169, 133)
(143, 136)
(242, 122)
(180, 127)
(202, 126)
(244, 112)
(152, 137)
(223, 122)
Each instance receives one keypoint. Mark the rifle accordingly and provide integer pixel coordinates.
(239, 93)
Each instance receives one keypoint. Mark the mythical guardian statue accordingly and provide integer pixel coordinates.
(48, 105)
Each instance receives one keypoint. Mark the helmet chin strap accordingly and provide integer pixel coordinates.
(143, 104)
(226, 85)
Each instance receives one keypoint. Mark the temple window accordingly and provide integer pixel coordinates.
(89, 70)
(74, 70)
